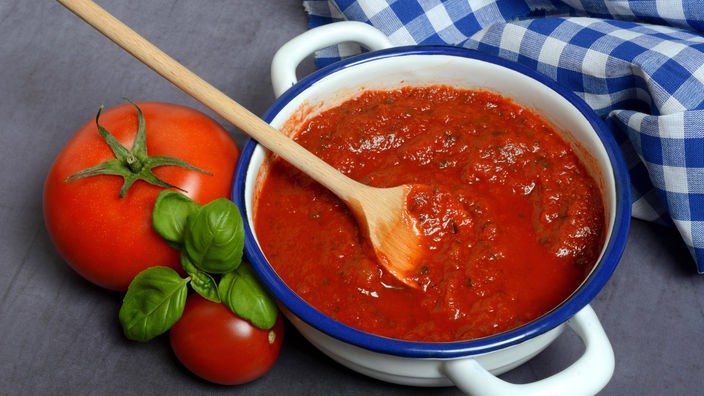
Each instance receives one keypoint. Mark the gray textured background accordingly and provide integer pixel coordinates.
(60, 334)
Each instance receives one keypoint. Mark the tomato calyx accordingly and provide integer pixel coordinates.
(135, 164)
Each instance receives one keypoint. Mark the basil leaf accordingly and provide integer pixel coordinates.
(201, 282)
(214, 237)
(153, 303)
(245, 295)
(170, 214)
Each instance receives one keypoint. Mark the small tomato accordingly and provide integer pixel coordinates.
(219, 346)
(109, 239)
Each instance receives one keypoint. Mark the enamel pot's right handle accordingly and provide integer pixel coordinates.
(586, 376)
(290, 55)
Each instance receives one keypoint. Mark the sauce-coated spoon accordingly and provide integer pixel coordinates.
(381, 212)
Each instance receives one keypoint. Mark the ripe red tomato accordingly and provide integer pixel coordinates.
(219, 346)
(108, 239)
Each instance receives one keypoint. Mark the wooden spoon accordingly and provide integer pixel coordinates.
(381, 212)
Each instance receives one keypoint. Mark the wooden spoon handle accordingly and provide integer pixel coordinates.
(213, 98)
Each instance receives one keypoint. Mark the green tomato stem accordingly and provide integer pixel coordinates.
(132, 165)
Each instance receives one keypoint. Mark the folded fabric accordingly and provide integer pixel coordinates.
(638, 64)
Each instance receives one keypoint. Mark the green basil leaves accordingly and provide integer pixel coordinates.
(202, 282)
(211, 240)
(153, 303)
(242, 292)
(214, 238)
(169, 216)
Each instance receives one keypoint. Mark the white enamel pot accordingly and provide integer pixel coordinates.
(471, 365)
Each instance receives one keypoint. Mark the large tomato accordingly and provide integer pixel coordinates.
(108, 239)
(219, 346)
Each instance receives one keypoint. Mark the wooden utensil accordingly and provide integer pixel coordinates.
(381, 212)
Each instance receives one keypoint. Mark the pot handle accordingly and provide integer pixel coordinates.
(587, 376)
(287, 58)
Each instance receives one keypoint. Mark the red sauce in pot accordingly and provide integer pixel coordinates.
(512, 220)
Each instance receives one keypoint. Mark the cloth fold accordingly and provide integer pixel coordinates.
(638, 64)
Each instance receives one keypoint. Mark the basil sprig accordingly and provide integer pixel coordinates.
(211, 240)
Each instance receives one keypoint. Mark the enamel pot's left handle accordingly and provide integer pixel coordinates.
(291, 54)
(586, 376)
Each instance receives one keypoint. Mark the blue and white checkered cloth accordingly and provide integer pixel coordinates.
(638, 64)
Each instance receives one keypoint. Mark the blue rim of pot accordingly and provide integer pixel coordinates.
(578, 300)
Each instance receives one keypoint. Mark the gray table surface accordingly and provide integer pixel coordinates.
(60, 335)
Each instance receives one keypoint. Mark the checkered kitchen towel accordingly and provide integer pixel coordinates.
(638, 63)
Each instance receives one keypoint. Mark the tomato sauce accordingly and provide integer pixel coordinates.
(512, 220)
